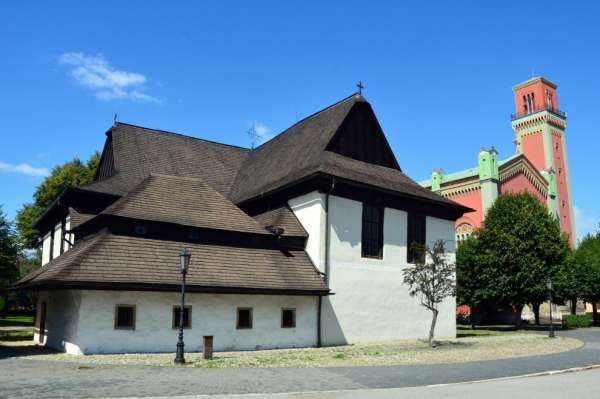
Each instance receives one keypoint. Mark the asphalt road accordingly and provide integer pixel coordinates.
(580, 385)
(46, 379)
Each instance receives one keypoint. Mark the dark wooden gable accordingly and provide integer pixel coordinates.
(360, 137)
(106, 168)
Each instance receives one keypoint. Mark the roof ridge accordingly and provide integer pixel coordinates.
(355, 94)
(153, 130)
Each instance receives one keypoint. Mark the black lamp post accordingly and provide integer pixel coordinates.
(184, 260)
(551, 330)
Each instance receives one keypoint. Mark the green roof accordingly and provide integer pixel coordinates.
(463, 174)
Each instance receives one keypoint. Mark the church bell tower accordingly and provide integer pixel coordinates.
(539, 127)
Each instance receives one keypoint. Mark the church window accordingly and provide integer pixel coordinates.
(288, 318)
(415, 237)
(187, 316)
(125, 317)
(372, 231)
(140, 229)
(244, 318)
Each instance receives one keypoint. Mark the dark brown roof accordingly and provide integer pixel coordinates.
(110, 259)
(284, 218)
(184, 201)
(378, 176)
(296, 150)
(138, 152)
(79, 218)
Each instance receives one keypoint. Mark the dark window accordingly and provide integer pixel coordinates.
(140, 229)
(288, 318)
(187, 319)
(372, 231)
(415, 236)
(125, 317)
(244, 318)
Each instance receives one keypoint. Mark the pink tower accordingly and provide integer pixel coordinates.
(540, 135)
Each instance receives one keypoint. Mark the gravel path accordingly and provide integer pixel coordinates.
(391, 353)
(42, 379)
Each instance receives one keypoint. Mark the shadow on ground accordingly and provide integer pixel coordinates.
(23, 348)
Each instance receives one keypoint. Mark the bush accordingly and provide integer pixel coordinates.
(579, 320)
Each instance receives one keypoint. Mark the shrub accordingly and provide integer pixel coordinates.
(576, 321)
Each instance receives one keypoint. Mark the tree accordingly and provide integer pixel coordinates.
(519, 248)
(587, 271)
(71, 174)
(431, 279)
(9, 252)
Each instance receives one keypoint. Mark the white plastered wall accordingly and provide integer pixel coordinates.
(46, 243)
(371, 303)
(212, 314)
(58, 239)
(310, 210)
(62, 319)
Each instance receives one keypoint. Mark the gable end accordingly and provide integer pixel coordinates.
(360, 137)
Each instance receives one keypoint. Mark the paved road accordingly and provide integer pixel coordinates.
(580, 385)
(43, 379)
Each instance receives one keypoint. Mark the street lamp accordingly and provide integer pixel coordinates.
(549, 286)
(184, 261)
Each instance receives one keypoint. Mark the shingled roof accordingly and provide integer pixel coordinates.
(185, 201)
(136, 152)
(291, 154)
(282, 217)
(128, 262)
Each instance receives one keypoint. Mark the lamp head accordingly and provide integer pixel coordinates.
(184, 259)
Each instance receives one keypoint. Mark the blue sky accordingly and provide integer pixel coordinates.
(438, 74)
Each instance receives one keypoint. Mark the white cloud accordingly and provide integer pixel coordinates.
(262, 130)
(262, 133)
(585, 222)
(24, 169)
(108, 83)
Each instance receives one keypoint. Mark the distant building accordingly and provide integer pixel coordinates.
(540, 165)
(298, 242)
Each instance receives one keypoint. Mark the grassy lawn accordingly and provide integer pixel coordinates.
(463, 331)
(467, 349)
(14, 336)
(23, 321)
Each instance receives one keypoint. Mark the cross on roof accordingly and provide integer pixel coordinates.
(360, 87)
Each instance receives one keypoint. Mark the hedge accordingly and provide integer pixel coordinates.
(579, 320)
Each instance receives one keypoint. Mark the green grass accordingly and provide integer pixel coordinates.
(16, 336)
(16, 321)
(495, 331)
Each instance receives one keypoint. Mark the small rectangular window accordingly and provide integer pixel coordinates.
(372, 231)
(125, 317)
(288, 318)
(244, 318)
(187, 316)
(415, 237)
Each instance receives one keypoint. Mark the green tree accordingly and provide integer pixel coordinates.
(472, 275)
(71, 174)
(519, 248)
(587, 271)
(431, 279)
(9, 253)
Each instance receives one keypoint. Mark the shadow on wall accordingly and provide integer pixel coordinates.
(345, 232)
(331, 330)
